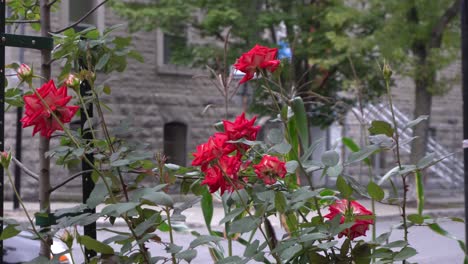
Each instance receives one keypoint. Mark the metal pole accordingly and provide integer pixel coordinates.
(464, 33)
(87, 181)
(19, 138)
(2, 111)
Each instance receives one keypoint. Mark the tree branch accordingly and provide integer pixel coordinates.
(68, 180)
(439, 28)
(26, 21)
(52, 3)
(81, 19)
(28, 172)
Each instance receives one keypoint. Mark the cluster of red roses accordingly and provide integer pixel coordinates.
(220, 158)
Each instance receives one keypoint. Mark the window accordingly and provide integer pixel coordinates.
(172, 43)
(175, 143)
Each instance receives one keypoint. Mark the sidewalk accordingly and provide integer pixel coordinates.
(438, 207)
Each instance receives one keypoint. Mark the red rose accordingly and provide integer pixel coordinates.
(214, 148)
(270, 168)
(241, 128)
(214, 179)
(39, 116)
(351, 214)
(259, 57)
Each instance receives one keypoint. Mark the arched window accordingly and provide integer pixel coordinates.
(175, 143)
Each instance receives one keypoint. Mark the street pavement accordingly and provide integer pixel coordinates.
(432, 248)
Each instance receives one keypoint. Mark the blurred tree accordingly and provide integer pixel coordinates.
(420, 38)
(326, 57)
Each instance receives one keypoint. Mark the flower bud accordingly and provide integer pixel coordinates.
(72, 81)
(67, 238)
(24, 73)
(387, 71)
(5, 158)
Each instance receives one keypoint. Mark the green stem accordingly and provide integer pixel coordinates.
(246, 208)
(77, 235)
(23, 206)
(171, 236)
(85, 110)
(396, 137)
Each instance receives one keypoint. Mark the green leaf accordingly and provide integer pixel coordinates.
(95, 245)
(343, 187)
(396, 244)
(335, 171)
(361, 254)
(201, 240)
(9, 232)
(102, 61)
(412, 123)
(98, 195)
(244, 225)
(425, 161)
(291, 166)
(282, 148)
(419, 191)
(381, 127)
(231, 215)
(118, 209)
(207, 208)
(349, 142)
(393, 172)
(375, 191)
(159, 198)
(280, 202)
(302, 124)
(439, 230)
(362, 154)
(120, 162)
(311, 150)
(291, 222)
(251, 249)
(416, 218)
(327, 245)
(289, 252)
(187, 255)
(330, 158)
(405, 253)
(275, 136)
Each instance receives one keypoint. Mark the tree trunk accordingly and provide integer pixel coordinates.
(422, 106)
(44, 176)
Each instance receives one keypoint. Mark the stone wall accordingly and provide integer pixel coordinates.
(147, 95)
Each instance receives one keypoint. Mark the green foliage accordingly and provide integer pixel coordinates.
(326, 39)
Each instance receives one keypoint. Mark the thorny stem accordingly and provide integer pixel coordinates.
(403, 177)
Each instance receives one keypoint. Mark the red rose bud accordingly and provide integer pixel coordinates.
(269, 169)
(24, 73)
(72, 81)
(5, 158)
(40, 116)
(355, 214)
(259, 57)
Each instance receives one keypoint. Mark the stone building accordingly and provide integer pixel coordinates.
(164, 104)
